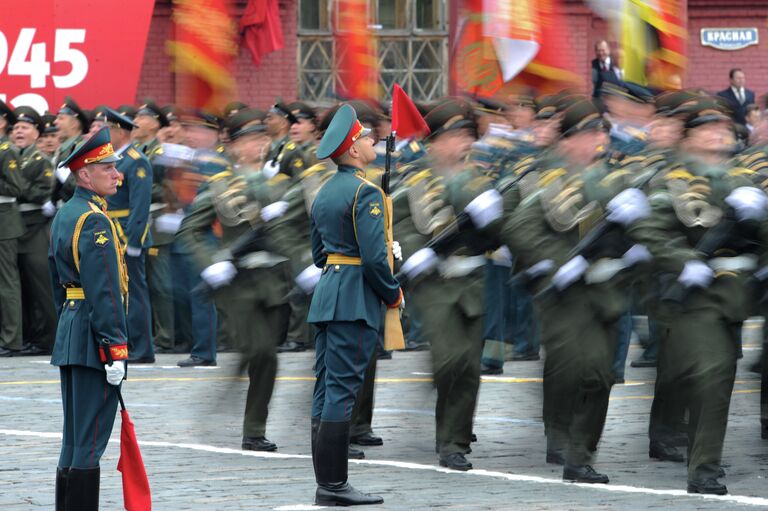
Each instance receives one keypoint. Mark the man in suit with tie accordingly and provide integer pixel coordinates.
(738, 95)
(604, 69)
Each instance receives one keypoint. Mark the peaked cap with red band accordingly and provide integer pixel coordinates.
(341, 133)
(97, 149)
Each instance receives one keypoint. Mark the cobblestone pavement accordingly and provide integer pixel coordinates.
(188, 422)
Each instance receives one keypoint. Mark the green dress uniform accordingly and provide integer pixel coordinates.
(691, 200)
(255, 300)
(11, 229)
(39, 316)
(64, 186)
(90, 286)
(579, 322)
(129, 207)
(349, 242)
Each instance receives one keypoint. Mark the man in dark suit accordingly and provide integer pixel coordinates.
(603, 67)
(738, 95)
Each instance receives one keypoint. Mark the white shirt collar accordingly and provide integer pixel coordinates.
(123, 149)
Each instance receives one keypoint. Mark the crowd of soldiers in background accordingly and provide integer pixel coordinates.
(606, 205)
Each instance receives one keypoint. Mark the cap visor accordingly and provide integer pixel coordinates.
(365, 133)
(112, 158)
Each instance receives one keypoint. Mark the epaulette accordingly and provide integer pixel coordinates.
(290, 146)
(749, 160)
(221, 175)
(277, 178)
(418, 176)
(314, 169)
(5, 146)
(741, 171)
(632, 159)
(220, 149)
(548, 176)
(678, 173)
(158, 150)
(612, 176)
(214, 159)
(133, 153)
(415, 147)
(298, 163)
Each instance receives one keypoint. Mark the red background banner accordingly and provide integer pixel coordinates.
(91, 50)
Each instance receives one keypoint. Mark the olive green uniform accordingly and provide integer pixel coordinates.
(698, 361)
(11, 229)
(39, 316)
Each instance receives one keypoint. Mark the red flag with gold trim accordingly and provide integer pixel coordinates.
(203, 51)
(355, 51)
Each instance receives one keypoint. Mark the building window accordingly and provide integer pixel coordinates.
(411, 40)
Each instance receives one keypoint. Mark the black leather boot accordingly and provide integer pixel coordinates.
(61, 488)
(331, 469)
(314, 425)
(83, 489)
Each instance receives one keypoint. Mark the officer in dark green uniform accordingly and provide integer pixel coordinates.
(11, 229)
(37, 295)
(90, 285)
(260, 280)
(72, 123)
(278, 121)
(129, 207)
(695, 195)
(346, 305)
(49, 141)
(449, 301)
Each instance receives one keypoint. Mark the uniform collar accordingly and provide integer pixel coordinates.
(91, 196)
(351, 170)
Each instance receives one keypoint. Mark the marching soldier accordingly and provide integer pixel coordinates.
(39, 315)
(346, 305)
(579, 316)
(129, 208)
(707, 287)
(449, 301)
(11, 229)
(279, 120)
(174, 132)
(91, 286)
(260, 281)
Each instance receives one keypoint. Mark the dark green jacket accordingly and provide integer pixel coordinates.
(11, 189)
(85, 253)
(348, 219)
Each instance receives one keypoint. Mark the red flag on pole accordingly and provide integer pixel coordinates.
(355, 51)
(406, 119)
(261, 29)
(136, 493)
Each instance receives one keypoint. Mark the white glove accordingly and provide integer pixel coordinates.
(270, 170)
(62, 173)
(219, 274)
(749, 203)
(274, 210)
(397, 251)
(636, 254)
(540, 269)
(421, 261)
(308, 278)
(169, 223)
(132, 251)
(696, 273)
(628, 206)
(115, 372)
(570, 272)
(485, 208)
(502, 256)
(49, 209)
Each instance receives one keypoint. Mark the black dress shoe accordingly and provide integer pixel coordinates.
(258, 443)
(643, 362)
(664, 452)
(473, 438)
(5, 352)
(524, 357)
(583, 474)
(455, 461)
(355, 454)
(487, 370)
(366, 439)
(291, 347)
(195, 361)
(344, 495)
(709, 486)
(142, 360)
(555, 458)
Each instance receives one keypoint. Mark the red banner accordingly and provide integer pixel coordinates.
(91, 50)
(355, 51)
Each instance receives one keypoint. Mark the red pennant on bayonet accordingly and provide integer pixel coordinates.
(406, 119)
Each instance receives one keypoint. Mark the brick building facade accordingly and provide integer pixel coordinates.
(278, 73)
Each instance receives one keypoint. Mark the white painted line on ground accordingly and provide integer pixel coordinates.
(617, 488)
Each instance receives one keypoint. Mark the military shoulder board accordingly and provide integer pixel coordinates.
(133, 153)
